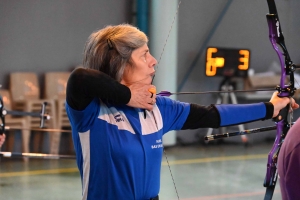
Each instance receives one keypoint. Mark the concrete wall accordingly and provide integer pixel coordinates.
(42, 36)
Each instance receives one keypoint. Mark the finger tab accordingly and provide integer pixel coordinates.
(152, 90)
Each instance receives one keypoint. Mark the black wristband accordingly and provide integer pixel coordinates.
(269, 110)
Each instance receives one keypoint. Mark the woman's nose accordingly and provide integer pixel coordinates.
(153, 62)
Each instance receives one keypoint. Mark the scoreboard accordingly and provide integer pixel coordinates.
(227, 62)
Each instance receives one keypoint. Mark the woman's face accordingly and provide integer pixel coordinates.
(142, 68)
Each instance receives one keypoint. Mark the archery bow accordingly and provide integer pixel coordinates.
(4, 112)
(43, 117)
(282, 123)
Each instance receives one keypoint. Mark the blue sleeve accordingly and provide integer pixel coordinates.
(231, 114)
(174, 113)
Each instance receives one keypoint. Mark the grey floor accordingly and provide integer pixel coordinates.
(200, 172)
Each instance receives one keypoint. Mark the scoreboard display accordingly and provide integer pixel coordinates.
(227, 62)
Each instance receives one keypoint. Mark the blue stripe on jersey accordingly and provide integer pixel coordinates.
(231, 114)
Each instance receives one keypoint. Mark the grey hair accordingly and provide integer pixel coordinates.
(109, 49)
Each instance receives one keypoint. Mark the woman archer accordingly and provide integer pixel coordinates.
(117, 118)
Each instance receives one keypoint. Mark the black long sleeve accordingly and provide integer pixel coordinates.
(202, 117)
(86, 84)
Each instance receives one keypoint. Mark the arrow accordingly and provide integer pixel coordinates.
(167, 93)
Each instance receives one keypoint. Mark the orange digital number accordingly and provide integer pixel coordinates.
(213, 63)
(244, 59)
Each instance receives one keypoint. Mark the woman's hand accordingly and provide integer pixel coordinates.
(280, 102)
(2, 139)
(142, 96)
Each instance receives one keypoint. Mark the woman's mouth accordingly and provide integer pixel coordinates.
(152, 74)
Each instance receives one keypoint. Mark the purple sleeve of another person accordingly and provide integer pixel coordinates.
(289, 164)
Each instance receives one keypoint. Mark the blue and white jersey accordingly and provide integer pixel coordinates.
(118, 151)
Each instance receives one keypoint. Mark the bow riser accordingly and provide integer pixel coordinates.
(277, 41)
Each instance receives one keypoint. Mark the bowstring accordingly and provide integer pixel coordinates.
(291, 113)
(165, 153)
(165, 44)
(171, 173)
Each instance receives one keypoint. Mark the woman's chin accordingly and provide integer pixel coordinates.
(146, 81)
